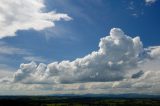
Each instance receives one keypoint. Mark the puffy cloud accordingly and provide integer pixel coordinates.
(113, 68)
(117, 53)
(26, 14)
(155, 52)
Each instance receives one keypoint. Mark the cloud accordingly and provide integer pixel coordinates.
(117, 53)
(149, 2)
(120, 65)
(6, 70)
(35, 58)
(6, 49)
(138, 74)
(155, 52)
(26, 15)
(16, 54)
(137, 9)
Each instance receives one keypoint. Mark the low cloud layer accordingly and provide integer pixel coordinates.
(120, 65)
(26, 14)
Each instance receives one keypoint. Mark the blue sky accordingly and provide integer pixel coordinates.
(91, 20)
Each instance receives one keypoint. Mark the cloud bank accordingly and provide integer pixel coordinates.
(117, 53)
(120, 65)
(26, 14)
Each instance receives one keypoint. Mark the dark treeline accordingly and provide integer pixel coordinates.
(75, 101)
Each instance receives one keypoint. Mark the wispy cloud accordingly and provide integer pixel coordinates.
(137, 8)
(76, 10)
(149, 2)
(6, 71)
(6, 49)
(35, 58)
(7, 52)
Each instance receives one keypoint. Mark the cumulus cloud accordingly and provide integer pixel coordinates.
(155, 52)
(120, 65)
(117, 53)
(26, 14)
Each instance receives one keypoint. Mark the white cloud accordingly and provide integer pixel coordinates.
(150, 1)
(6, 70)
(35, 58)
(9, 52)
(6, 49)
(117, 53)
(155, 52)
(24, 15)
(121, 65)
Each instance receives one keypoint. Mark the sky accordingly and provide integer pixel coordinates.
(79, 47)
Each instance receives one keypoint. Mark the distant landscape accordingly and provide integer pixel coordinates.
(85, 100)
